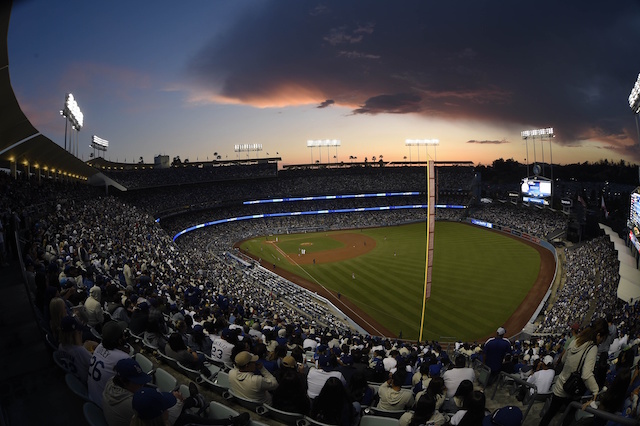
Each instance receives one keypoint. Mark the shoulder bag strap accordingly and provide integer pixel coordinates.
(581, 364)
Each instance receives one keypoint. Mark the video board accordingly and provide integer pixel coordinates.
(535, 190)
(634, 214)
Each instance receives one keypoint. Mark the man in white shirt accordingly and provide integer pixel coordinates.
(453, 377)
(543, 377)
(221, 347)
(317, 377)
(104, 359)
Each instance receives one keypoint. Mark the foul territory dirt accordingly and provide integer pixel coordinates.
(356, 244)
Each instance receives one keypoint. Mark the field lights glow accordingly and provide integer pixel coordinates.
(537, 132)
(248, 147)
(72, 111)
(634, 97)
(323, 142)
(422, 142)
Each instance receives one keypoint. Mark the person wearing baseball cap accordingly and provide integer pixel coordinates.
(151, 407)
(494, 351)
(118, 393)
(543, 376)
(244, 381)
(505, 416)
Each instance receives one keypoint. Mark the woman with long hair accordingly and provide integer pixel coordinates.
(57, 311)
(291, 393)
(423, 412)
(583, 351)
(333, 405)
(176, 349)
(464, 391)
(473, 411)
(436, 390)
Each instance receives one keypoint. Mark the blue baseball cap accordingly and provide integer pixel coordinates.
(149, 404)
(129, 369)
(505, 416)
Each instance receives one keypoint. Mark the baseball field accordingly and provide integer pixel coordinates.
(481, 278)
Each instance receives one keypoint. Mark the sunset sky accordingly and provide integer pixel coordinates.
(192, 78)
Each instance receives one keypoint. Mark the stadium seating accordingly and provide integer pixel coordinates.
(249, 404)
(77, 387)
(374, 411)
(94, 415)
(218, 383)
(164, 380)
(144, 362)
(62, 361)
(286, 417)
(378, 421)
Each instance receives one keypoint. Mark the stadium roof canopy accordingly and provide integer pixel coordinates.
(21, 144)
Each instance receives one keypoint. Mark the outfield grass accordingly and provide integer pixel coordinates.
(479, 276)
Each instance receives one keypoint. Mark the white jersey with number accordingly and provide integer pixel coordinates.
(221, 350)
(101, 370)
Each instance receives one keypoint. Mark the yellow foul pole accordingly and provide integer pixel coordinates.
(431, 206)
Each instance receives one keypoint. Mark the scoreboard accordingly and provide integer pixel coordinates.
(634, 214)
(535, 190)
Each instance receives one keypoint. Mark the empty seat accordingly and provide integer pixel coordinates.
(94, 415)
(144, 362)
(165, 381)
(285, 417)
(77, 387)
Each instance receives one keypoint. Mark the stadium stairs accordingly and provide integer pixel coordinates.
(32, 389)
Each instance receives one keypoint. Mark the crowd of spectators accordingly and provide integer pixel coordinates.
(294, 183)
(590, 287)
(80, 242)
(145, 176)
(534, 221)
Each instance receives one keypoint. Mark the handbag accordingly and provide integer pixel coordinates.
(574, 385)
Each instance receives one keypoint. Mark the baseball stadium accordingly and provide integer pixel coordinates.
(179, 279)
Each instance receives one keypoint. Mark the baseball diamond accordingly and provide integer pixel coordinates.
(481, 278)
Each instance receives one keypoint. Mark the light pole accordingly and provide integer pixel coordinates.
(71, 112)
(323, 142)
(634, 103)
(422, 142)
(542, 133)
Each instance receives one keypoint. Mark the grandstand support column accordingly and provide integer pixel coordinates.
(14, 169)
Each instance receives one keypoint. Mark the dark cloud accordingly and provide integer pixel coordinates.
(401, 103)
(568, 65)
(326, 103)
(494, 142)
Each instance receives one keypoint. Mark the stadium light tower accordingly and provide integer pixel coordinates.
(247, 147)
(323, 142)
(541, 134)
(634, 103)
(423, 142)
(99, 144)
(71, 113)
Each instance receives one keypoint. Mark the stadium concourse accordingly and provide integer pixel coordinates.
(63, 241)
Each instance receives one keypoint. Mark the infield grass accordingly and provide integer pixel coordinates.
(479, 277)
